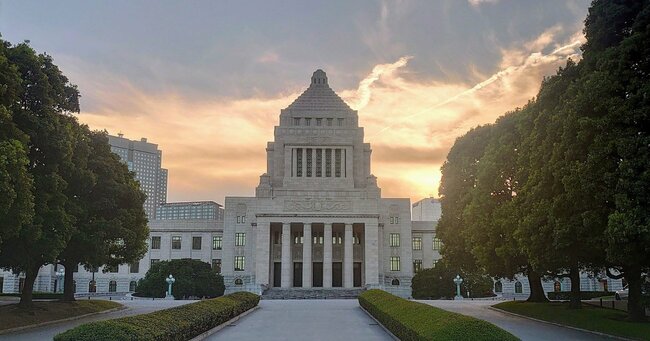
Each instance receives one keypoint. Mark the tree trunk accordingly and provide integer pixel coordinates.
(575, 302)
(536, 288)
(68, 282)
(28, 288)
(635, 310)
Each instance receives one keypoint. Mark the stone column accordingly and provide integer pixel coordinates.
(327, 256)
(286, 256)
(263, 254)
(347, 257)
(371, 256)
(306, 256)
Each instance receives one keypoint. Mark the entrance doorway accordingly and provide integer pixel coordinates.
(277, 274)
(297, 274)
(317, 274)
(337, 275)
(357, 274)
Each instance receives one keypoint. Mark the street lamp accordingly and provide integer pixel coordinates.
(60, 275)
(170, 280)
(458, 281)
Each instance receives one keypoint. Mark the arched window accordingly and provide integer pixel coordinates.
(239, 281)
(498, 286)
(132, 286)
(557, 286)
(112, 286)
(92, 286)
(519, 288)
(395, 281)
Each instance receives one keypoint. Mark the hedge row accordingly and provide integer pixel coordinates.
(38, 295)
(410, 320)
(178, 323)
(584, 295)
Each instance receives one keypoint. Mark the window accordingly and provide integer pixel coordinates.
(395, 282)
(318, 238)
(309, 162)
(277, 237)
(154, 261)
(176, 242)
(394, 239)
(112, 286)
(337, 238)
(319, 163)
(437, 244)
(337, 163)
(155, 243)
(196, 243)
(241, 219)
(557, 286)
(239, 263)
(299, 162)
(319, 122)
(417, 265)
(328, 162)
(339, 122)
(394, 220)
(92, 286)
(498, 287)
(217, 242)
(417, 243)
(133, 285)
(297, 238)
(394, 263)
(296, 121)
(518, 288)
(356, 240)
(435, 261)
(240, 239)
(134, 267)
(216, 265)
(307, 121)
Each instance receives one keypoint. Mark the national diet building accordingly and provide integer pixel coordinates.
(317, 219)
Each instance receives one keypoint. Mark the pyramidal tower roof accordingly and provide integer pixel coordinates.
(319, 96)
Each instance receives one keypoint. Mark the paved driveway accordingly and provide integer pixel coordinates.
(337, 320)
(134, 307)
(524, 329)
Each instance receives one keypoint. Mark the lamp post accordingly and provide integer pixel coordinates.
(60, 275)
(458, 282)
(170, 280)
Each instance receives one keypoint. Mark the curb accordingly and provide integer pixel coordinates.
(381, 325)
(561, 325)
(223, 325)
(33, 326)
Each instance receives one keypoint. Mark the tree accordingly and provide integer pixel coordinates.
(438, 282)
(194, 278)
(110, 222)
(44, 99)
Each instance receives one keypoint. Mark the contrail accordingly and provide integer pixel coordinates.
(500, 74)
(363, 91)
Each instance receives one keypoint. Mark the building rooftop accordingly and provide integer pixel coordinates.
(319, 97)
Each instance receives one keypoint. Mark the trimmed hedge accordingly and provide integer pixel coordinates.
(410, 320)
(584, 295)
(38, 295)
(178, 323)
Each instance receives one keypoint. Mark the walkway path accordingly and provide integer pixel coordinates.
(304, 320)
(524, 329)
(134, 307)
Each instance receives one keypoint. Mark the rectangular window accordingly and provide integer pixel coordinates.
(134, 267)
(216, 265)
(239, 263)
(176, 242)
(319, 162)
(329, 122)
(319, 122)
(417, 265)
(216, 242)
(299, 162)
(417, 244)
(328, 162)
(437, 244)
(296, 121)
(155, 243)
(337, 163)
(394, 239)
(307, 121)
(340, 122)
(297, 238)
(240, 239)
(309, 162)
(435, 261)
(394, 263)
(277, 238)
(196, 243)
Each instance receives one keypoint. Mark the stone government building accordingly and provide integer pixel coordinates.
(317, 219)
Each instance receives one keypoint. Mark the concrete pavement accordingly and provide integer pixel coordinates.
(134, 307)
(304, 320)
(524, 329)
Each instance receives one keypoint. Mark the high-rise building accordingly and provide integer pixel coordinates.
(202, 210)
(145, 159)
(427, 209)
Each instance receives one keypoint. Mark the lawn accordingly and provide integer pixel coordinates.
(12, 316)
(598, 319)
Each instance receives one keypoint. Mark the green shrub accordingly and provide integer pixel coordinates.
(178, 323)
(38, 295)
(584, 295)
(194, 278)
(410, 320)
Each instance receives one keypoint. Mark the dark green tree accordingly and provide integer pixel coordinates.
(194, 278)
(438, 283)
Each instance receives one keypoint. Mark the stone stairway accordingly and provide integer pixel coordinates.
(311, 293)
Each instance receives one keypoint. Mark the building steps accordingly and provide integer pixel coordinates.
(311, 293)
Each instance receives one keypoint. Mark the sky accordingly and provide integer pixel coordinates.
(206, 80)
